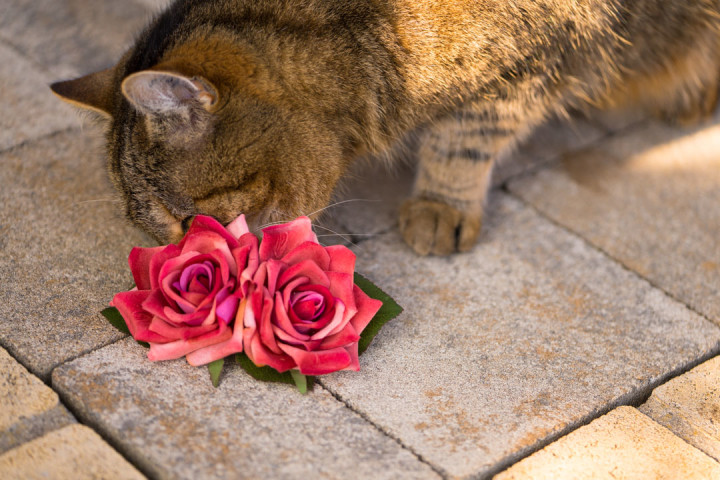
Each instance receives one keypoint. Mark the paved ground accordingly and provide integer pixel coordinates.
(577, 340)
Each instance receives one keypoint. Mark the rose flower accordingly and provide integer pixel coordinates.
(188, 295)
(304, 310)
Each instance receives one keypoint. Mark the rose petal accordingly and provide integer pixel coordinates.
(238, 227)
(204, 224)
(179, 348)
(337, 322)
(366, 309)
(307, 269)
(139, 260)
(178, 332)
(207, 243)
(319, 362)
(234, 344)
(343, 338)
(342, 259)
(278, 240)
(130, 306)
(308, 251)
(158, 261)
(253, 347)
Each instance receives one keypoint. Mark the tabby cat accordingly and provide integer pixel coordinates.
(259, 106)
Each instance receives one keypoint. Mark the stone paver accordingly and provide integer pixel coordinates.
(64, 247)
(547, 143)
(689, 405)
(29, 407)
(29, 109)
(502, 349)
(622, 444)
(649, 198)
(171, 422)
(70, 38)
(73, 452)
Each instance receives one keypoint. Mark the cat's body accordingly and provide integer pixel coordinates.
(259, 106)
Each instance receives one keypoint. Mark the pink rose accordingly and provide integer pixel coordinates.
(188, 295)
(304, 310)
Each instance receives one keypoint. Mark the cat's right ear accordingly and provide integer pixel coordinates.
(93, 92)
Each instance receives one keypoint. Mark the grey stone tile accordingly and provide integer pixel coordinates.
(367, 202)
(547, 143)
(622, 444)
(169, 420)
(72, 452)
(154, 5)
(29, 408)
(503, 348)
(651, 199)
(64, 247)
(689, 405)
(71, 37)
(29, 109)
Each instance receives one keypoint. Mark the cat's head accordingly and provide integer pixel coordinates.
(205, 133)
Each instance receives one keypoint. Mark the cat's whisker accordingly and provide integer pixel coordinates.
(340, 203)
(334, 233)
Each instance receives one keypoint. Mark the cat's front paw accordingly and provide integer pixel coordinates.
(437, 228)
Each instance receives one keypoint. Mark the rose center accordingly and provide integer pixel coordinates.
(196, 279)
(308, 306)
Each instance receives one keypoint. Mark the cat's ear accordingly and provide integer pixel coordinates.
(156, 93)
(93, 92)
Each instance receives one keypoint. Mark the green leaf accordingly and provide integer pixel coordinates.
(269, 374)
(389, 310)
(300, 381)
(266, 374)
(115, 319)
(215, 368)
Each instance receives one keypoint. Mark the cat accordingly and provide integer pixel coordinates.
(259, 107)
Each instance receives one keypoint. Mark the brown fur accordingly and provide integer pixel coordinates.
(259, 106)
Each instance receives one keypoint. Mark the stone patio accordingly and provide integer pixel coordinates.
(579, 339)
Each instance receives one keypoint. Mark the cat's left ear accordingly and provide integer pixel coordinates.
(92, 92)
(157, 93)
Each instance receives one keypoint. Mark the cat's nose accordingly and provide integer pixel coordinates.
(185, 224)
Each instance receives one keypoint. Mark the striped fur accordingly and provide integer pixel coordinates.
(260, 106)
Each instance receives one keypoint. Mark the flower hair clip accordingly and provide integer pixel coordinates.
(286, 307)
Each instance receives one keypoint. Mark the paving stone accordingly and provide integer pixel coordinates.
(689, 405)
(71, 37)
(64, 247)
(169, 420)
(504, 348)
(29, 109)
(369, 198)
(72, 452)
(649, 198)
(29, 408)
(154, 5)
(622, 444)
(548, 142)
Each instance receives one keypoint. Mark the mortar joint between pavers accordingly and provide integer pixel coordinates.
(46, 136)
(439, 471)
(609, 256)
(630, 399)
(94, 422)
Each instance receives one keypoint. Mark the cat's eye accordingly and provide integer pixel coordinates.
(185, 224)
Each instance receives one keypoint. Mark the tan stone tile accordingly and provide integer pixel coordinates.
(689, 405)
(64, 250)
(622, 444)
(650, 198)
(511, 344)
(29, 407)
(172, 423)
(73, 452)
(29, 109)
(71, 37)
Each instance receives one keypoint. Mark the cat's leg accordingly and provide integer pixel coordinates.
(456, 157)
